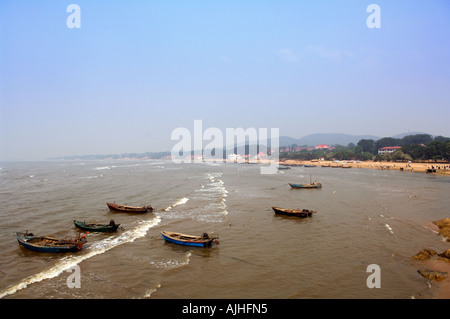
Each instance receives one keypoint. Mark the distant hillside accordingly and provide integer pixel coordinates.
(334, 139)
(402, 135)
(324, 138)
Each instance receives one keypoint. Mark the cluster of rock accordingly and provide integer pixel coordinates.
(444, 227)
(432, 274)
(425, 254)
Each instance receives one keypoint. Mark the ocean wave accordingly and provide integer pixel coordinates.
(89, 177)
(389, 228)
(181, 201)
(96, 248)
(105, 167)
(172, 263)
(150, 291)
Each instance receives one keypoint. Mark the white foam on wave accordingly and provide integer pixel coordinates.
(389, 228)
(90, 177)
(96, 248)
(104, 167)
(181, 201)
(172, 263)
(217, 211)
(150, 291)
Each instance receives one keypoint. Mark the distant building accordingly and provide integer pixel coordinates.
(389, 149)
(322, 146)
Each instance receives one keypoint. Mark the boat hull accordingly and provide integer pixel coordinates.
(27, 242)
(314, 185)
(129, 209)
(187, 240)
(96, 227)
(293, 212)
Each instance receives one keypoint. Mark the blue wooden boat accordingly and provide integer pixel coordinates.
(188, 240)
(313, 185)
(50, 244)
(310, 185)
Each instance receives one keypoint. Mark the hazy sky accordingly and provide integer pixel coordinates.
(137, 70)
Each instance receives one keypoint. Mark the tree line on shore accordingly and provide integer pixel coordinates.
(419, 147)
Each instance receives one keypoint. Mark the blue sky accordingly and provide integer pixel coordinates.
(137, 70)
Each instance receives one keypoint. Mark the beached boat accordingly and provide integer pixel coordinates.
(182, 239)
(346, 166)
(310, 165)
(284, 167)
(293, 212)
(129, 209)
(104, 228)
(48, 244)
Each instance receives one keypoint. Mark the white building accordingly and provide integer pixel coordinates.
(389, 149)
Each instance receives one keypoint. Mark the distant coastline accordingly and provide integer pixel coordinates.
(437, 168)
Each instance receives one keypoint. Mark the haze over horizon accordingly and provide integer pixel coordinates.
(134, 72)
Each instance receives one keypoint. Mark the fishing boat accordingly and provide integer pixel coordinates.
(310, 185)
(313, 185)
(129, 209)
(284, 167)
(310, 165)
(48, 244)
(182, 239)
(104, 228)
(293, 212)
(346, 166)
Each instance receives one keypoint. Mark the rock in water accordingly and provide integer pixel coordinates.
(446, 255)
(444, 227)
(425, 254)
(433, 274)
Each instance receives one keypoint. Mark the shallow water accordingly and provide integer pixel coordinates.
(363, 217)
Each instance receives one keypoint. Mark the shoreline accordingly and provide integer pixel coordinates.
(405, 167)
(437, 264)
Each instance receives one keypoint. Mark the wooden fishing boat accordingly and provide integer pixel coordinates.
(293, 212)
(48, 244)
(129, 209)
(313, 185)
(309, 165)
(346, 166)
(104, 228)
(182, 239)
(284, 167)
(310, 185)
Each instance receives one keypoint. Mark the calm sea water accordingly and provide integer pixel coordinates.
(363, 217)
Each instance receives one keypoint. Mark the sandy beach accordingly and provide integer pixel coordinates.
(405, 167)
